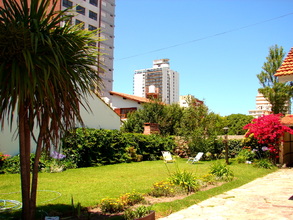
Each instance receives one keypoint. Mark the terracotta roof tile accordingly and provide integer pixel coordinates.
(287, 120)
(287, 66)
(131, 97)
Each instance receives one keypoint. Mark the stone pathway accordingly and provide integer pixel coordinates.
(269, 198)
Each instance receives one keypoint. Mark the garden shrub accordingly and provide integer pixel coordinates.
(264, 163)
(246, 154)
(165, 188)
(111, 205)
(139, 212)
(185, 179)
(95, 147)
(221, 171)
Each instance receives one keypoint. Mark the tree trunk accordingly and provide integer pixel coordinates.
(33, 198)
(24, 149)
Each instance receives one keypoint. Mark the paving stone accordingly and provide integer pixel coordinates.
(266, 198)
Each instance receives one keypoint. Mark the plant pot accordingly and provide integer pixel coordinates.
(150, 216)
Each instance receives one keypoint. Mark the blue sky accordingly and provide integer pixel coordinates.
(217, 46)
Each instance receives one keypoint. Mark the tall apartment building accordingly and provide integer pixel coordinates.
(98, 14)
(159, 81)
(263, 107)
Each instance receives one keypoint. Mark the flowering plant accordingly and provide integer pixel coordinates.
(268, 130)
(57, 155)
(3, 156)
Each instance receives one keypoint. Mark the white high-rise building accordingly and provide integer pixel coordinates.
(98, 14)
(160, 82)
(263, 107)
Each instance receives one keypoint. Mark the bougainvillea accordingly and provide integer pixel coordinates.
(268, 130)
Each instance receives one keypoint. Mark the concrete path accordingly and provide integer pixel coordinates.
(269, 198)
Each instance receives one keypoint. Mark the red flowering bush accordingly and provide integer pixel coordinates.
(268, 130)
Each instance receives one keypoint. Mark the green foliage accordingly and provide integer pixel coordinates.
(167, 116)
(11, 165)
(264, 163)
(185, 179)
(198, 128)
(94, 147)
(235, 123)
(130, 199)
(278, 94)
(221, 171)
(165, 188)
(246, 154)
(111, 205)
(139, 212)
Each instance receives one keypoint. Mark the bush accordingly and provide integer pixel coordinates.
(165, 188)
(96, 147)
(139, 212)
(133, 198)
(264, 163)
(246, 154)
(110, 205)
(185, 179)
(221, 171)
(11, 165)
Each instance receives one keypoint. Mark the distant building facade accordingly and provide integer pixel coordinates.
(187, 100)
(158, 82)
(97, 14)
(263, 107)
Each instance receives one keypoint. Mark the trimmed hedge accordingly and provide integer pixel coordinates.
(95, 147)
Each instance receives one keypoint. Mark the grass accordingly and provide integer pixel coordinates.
(89, 185)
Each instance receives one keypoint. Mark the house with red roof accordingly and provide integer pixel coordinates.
(285, 74)
(123, 103)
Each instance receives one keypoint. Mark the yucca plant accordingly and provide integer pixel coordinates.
(46, 71)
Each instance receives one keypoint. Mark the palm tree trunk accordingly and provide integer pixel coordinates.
(41, 139)
(24, 149)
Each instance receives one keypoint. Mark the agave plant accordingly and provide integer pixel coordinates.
(47, 68)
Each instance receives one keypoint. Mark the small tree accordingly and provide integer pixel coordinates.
(268, 130)
(278, 94)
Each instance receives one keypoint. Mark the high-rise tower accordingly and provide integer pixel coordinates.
(160, 82)
(98, 14)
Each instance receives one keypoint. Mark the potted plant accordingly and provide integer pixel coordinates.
(140, 213)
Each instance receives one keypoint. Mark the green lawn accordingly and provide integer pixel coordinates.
(89, 185)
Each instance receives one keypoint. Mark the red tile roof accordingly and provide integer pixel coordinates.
(287, 120)
(287, 66)
(131, 97)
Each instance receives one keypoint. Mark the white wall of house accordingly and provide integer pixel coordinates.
(101, 117)
(120, 102)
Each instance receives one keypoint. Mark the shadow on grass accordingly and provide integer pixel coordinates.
(65, 212)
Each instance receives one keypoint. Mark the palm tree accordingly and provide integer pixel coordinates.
(47, 69)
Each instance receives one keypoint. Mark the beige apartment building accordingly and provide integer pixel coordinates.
(160, 82)
(97, 14)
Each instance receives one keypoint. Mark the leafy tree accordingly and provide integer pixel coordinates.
(167, 116)
(278, 94)
(268, 130)
(236, 122)
(46, 71)
(198, 128)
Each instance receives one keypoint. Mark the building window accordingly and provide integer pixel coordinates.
(91, 27)
(79, 22)
(67, 3)
(94, 2)
(93, 15)
(80, 10)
